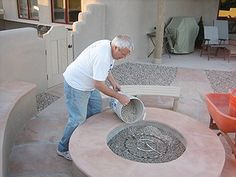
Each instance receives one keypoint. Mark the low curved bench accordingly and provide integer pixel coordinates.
(154, 90)
(17, 105)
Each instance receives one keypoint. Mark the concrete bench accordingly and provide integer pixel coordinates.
(155, 90)
(17, 105)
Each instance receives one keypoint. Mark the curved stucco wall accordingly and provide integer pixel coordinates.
(22, 57)
(18, 105)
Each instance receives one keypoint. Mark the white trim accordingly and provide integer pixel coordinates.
(38, 23)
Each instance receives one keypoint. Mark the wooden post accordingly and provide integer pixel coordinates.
(161, 8)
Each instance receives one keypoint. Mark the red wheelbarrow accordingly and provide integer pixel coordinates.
(218, 108)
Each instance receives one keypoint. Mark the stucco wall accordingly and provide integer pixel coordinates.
(138, 17)
(196, 8)
(44, 11)
(132, 17)
(10, 9)
(22, 57)
(89, 28)
(0, 4)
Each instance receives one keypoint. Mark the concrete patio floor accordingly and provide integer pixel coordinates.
(34, 153)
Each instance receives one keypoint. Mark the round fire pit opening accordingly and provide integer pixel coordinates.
(146, 142)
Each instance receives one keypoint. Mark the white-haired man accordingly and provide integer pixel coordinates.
(84, 80)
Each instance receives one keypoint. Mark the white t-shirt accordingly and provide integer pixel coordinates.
(94, 63)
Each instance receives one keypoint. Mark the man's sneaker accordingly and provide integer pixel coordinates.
(65, 154)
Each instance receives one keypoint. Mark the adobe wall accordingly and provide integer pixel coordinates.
(132, 17)
(138, 17)
(22, 57)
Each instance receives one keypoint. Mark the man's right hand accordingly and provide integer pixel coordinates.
(123, 99)
(101, 86)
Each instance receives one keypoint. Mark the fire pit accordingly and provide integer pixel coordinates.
(147, 142)
(194, 147)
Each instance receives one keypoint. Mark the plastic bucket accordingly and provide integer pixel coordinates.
(232, 103)
(132, 112)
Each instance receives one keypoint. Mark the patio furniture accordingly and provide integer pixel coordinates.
(182, 32)
(153, 90)
(231, 50)
(223, 32)
(218, 107)
(170, 91)
(211, 40)
(152, 35)
(223, 29)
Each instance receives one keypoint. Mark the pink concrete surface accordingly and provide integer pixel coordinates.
(204, 155)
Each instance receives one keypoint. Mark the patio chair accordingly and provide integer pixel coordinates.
(223, 30)
(166, 41)
(211, 40)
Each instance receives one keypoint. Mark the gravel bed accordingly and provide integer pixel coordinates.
(151, 74)
(44, 99)
(127, 74)
(221, 81)
(144, 74)
(147, 142)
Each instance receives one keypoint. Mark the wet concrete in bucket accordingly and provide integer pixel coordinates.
(147, 142)
(129, 112)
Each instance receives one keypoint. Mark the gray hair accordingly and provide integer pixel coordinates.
(123, 41)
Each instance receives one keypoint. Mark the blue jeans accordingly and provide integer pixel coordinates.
(80, 105)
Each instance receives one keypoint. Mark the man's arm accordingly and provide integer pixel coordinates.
(101, 86)
(112, 81)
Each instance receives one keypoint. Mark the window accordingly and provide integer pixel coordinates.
(227, 11)
(28, 9)
(65, 11)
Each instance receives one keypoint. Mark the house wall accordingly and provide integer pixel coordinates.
(196, 8)
(1, 16)
(10, 9)
(22, 57)
(138, 17)
(89, 28)
(44, 11)
(11, 13)
(207, 9)
(131, 17)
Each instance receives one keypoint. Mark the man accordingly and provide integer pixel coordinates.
(85, 77)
